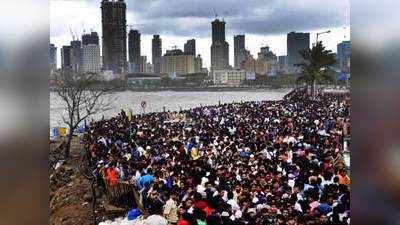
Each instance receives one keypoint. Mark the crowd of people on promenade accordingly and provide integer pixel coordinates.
(259, 162)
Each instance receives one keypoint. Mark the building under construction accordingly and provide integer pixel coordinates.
(114, 35)
(219, 47)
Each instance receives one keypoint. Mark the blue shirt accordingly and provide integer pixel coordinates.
(145, 180)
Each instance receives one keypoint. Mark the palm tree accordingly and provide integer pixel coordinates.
(317, 67)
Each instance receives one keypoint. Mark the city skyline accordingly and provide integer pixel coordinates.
(66, 14)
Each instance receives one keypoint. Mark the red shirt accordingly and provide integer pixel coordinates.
(200, 204)
(112, 175)
(208, 210)
(182, 222)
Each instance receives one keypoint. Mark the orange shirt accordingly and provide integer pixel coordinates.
(344, 180)
(111, 175)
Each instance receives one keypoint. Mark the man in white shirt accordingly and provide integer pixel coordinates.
(156, 220)
(156, 217)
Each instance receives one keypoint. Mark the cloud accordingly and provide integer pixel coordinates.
(77, 15)
(265, 22)
(193, 17)
(262, 17)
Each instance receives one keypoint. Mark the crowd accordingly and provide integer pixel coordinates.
(260, 162)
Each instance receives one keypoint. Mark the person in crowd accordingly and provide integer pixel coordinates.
(171, 210)
(156, 217)
(257, 162)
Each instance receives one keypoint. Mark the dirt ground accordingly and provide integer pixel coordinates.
(70, 194)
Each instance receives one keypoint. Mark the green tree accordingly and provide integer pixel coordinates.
(317, 67)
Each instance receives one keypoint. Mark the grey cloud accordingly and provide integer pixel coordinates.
(190, 8)
(261, 17)
(247, 16)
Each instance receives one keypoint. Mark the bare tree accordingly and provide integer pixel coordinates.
(83, 96)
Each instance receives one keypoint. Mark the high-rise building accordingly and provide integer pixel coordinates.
(261, 66)
(52, 58)
(134, 50)
(270, 58)
(282, 64)
(249, 63)
(239, 50)
(296, 42)
(343, 56)
(77, 53)
(198, 64)
(190, 47)
(219, 47)
(92, 38)
(66, 59)
(175, 62)
(91, 58)
(268, 55)
(218, 31)
(142, 64)
(156, 53)
(114, 35)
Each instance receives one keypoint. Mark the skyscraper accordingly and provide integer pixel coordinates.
(114, 35)
(249, 63)
(91, 59)
(218, 31)
(175, 62)
(92, 38)
(142, 64)
(343, 56)
(190, 47)
(282, 64)
(134, 51)
(296, 42)
(52, 58)
(76, 61)
(219, 47)
(66, 59)
(239, 50)
(156, 53)
(198, 64)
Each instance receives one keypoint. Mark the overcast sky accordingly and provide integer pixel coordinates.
(264, 22)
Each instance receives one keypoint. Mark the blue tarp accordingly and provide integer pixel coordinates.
(80, 129)
(53, 133)
(133, 214)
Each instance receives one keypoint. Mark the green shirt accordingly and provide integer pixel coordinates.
(200, 222)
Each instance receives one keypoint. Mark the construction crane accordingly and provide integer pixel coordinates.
(83, 26)
(324, 32)
(215, 13)
(72, 34)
